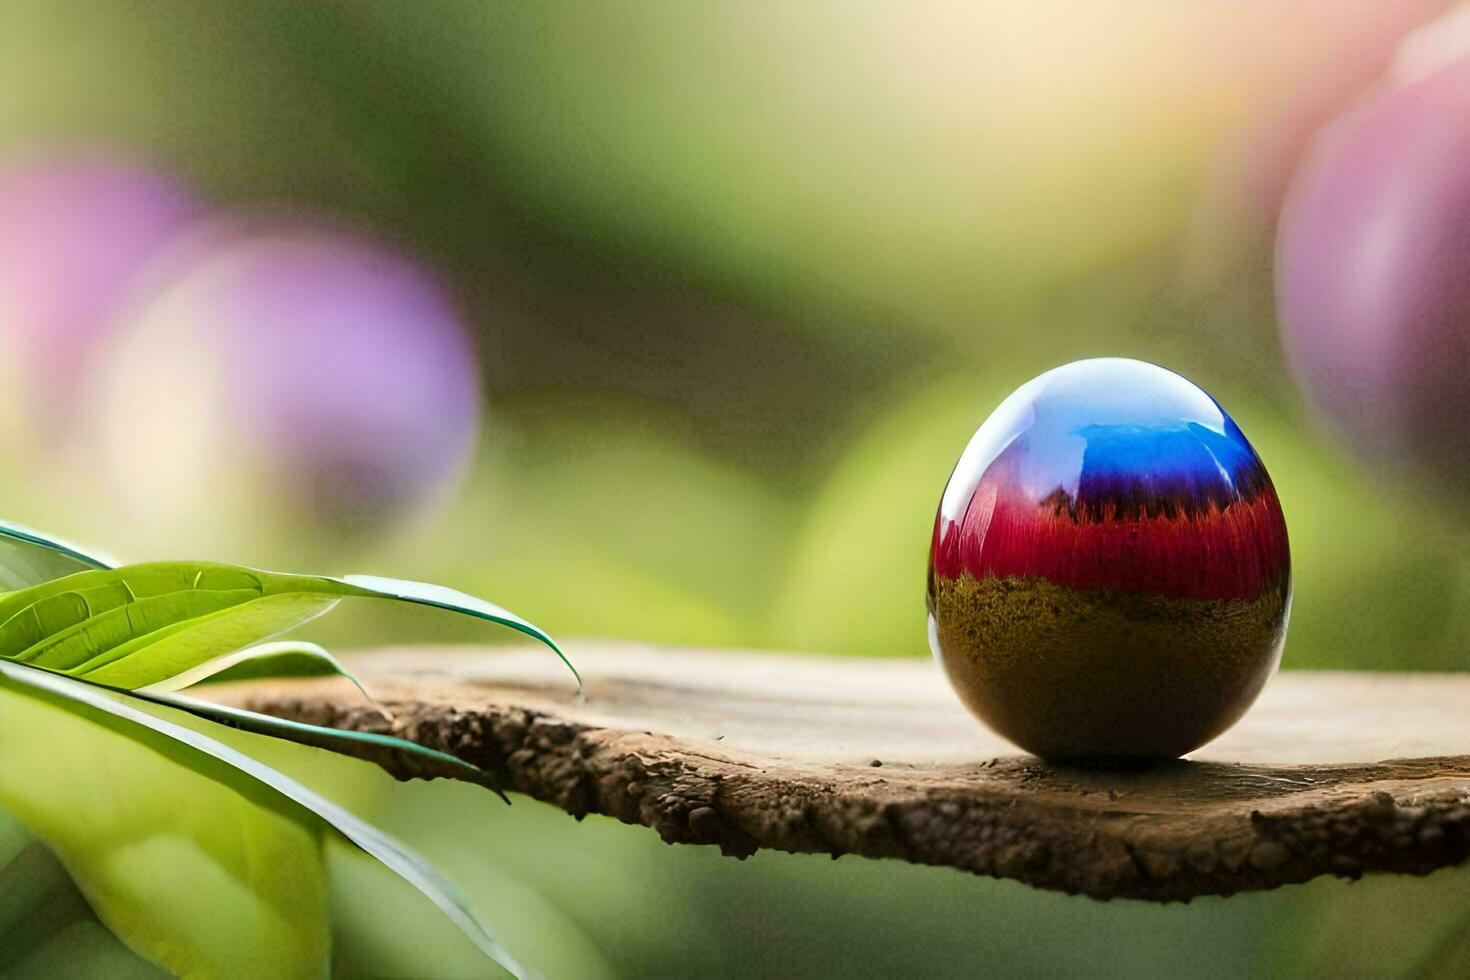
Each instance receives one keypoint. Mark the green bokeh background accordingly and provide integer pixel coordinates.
(744, 278)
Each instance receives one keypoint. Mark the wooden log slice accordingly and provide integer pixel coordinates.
(1330, 773)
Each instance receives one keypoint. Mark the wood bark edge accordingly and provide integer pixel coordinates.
(1164, 834)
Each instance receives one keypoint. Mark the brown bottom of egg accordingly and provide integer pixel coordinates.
(1101, 677)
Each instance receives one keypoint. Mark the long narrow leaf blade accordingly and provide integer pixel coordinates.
(284, 658)
(423, 593)
(400, 757)
(137, 625)
(394, 855)
(205, 873)
(29, 557)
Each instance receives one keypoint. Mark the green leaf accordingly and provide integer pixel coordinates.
(58, 806)
(405, 759)
(187, 612)
(285, 658)
(137, 625)
(29, 557)
(27, 882)
(295, 658)
(439, 597)
(47, 928)
(112, 627)
(191, 866)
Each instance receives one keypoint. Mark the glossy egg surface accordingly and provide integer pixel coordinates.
(1109, 575)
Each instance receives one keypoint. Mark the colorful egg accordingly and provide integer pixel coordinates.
(1109, 575)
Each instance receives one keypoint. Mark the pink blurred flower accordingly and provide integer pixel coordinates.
(1348, 47)
(75, 231)
(1373, 276)
(287, 369)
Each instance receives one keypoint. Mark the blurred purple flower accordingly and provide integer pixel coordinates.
(1373, 276)
(74, 234)
(340, 380)
(1345, 49)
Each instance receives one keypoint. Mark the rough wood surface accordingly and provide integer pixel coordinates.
(1328, 774)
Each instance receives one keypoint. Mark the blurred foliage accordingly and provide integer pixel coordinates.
(742, 281)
